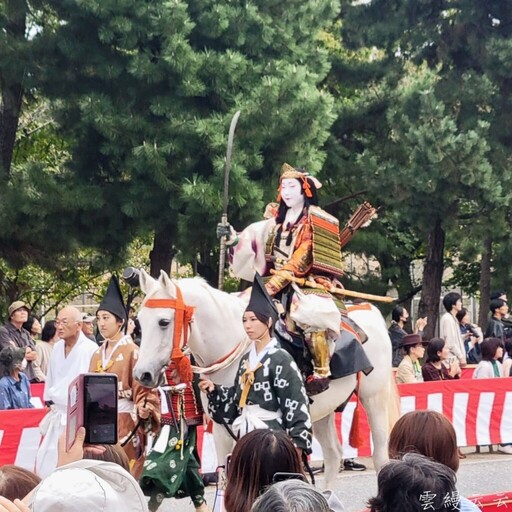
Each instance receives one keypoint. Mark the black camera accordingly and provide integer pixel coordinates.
(131, 275)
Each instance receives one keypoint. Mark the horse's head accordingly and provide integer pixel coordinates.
(157, 330)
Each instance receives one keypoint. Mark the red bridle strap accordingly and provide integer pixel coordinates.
(182, 320)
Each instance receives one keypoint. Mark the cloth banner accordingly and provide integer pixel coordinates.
(20, 437)
(480, 410)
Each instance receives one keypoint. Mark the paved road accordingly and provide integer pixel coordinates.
(478, 474)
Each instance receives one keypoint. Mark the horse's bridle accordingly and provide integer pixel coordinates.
(182, 323)
(182, 319)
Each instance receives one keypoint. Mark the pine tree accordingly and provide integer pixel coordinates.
(435, 147)
(145, 91)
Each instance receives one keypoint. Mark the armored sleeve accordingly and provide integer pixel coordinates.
(300, 263)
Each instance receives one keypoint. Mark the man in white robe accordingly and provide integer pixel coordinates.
(70, 357)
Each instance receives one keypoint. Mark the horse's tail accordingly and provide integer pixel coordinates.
(393, 405)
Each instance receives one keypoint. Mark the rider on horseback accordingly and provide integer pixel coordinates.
(297, 243)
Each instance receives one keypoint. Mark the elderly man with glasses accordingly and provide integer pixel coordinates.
(70, 357)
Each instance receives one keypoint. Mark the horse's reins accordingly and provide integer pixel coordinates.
(225, 361)
(137, 425)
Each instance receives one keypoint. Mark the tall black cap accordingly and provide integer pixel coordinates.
(113, 300)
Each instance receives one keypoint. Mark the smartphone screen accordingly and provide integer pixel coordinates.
(100, 409)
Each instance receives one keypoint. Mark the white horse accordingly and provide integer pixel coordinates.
(217, 341)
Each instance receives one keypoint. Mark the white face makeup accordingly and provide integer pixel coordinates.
(291, 193)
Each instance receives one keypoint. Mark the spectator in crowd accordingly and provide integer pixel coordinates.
(506, 320)
(269, 389)
(13, 333)
(291, 496)
(495, 327)
(472, 336)
(44, 347)
(84, 482)
(88, 485)
(70, 357)
(431, 434)
(16, 482)
(435, 367)
(399, 317)
(449, 326)
(409, 370)
(88, 326)
(33, 326)
(109, 453)
(137, 405)
(490, 366)
(507, 363)
(256, 458)
(415, 484)
(14, 385)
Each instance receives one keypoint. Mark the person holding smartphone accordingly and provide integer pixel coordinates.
(138, 407)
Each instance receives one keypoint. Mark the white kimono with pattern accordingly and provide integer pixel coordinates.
(277, 396)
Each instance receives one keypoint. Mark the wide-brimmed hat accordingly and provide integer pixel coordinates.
(88, 319)
(413, 339)
(17, 304)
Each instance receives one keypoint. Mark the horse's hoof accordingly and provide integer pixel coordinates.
(316, 385)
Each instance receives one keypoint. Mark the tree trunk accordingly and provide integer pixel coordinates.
(432, 279)
(208, 267)
(404, 286)
(12, 89)
(163, 251)
(485, 283)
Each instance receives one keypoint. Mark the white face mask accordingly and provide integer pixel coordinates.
(291, 192)
(23, 365)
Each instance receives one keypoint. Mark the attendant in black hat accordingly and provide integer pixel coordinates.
(409, 370)
(268, 391)
(118, 354)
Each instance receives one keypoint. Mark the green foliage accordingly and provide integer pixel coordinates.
(425, 129)
(146, 91)
(80, 273)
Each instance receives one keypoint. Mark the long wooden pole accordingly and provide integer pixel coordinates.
(334, 290)
(224, 218)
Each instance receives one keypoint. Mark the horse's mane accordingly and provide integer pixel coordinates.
(220, 298)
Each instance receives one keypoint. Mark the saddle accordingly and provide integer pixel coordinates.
(348, 357)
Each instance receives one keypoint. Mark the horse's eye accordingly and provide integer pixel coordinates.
(164, 322)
